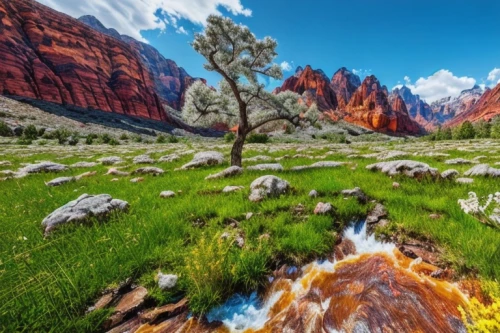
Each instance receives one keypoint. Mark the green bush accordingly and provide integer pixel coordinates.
(5, 130)
(467, 131)
(30, 132)
(124, 137)
(105, 138)
(89, 139)
(24, 141)
(257, 138)
(335, 138)
(41, 132)
(229, 137)
(113, 142)
(61, 135)
(3, 114)
(482, 129)
(172, 139)
(73, 140)
(161, 139)
(137, 138)
(495, 128)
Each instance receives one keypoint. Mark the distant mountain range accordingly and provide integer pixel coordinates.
(50, 56)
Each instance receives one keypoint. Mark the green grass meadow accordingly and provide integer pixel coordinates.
(47, 283)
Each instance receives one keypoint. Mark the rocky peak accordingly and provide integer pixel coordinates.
(298, 71)
(418, 110)
(344, 83)
(94, 23)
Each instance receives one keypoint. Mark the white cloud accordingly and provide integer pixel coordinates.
(362, 73)
(439, 85)
(285, 66)
(181, 30)
(494, 75)
(129, 17)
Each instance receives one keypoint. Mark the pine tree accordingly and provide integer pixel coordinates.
(467, 131)
(495, 128)
(482, 129)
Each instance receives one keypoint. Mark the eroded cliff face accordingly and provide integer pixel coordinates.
(344, 83)
(486, 108)
(371, 107)
(50, 56)
(449, 108)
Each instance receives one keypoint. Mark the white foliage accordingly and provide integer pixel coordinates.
(239, 57)
(489, 211)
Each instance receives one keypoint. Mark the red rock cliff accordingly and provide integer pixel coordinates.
(50, 56)
(344, 83)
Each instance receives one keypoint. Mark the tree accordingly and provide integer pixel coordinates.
(240, 58)
(482, 129)
(467, 131)
(495, 128)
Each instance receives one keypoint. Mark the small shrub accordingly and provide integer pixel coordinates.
(229, 137)
(41, 132)
(257, 138)
(137, 138)
(89, 139)
(61, 135)
(73, 140)
(335, 138)
(172, 139)
(495, 128)
(124, 137)
(482, 318)
(24, 141)
(482, 129)
(5, 130)
(3, 114)
(289, 129)
(161, 139)
(105, 138)
(30, 132)
(113, 142)
(42, 142)
(466, 131)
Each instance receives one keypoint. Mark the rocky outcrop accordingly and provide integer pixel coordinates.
(486, 108)
(314, 86)
(418, 109)
(50, 56)
(344, 83)
(448, 109)
(371, 107)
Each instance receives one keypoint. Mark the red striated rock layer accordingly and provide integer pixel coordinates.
(314, 85)
(344, 83)
(486, 108)
(370, 107)
(50, 56)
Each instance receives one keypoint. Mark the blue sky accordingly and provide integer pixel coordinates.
(439, 46)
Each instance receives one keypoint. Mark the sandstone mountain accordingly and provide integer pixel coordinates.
(344, 83)
(50, 56)
(448, 108)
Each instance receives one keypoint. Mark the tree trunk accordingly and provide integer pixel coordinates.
(237, 150)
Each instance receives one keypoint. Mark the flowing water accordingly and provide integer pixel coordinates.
(377, 289)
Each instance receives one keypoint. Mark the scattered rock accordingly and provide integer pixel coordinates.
(83, 165)
(41, 167)
(229, 172)
(86, 175)
(266, 167)
(137, 180)
(396, 185)
(264, 237)
(240, 241)
(268, 186)
(204, 159)
(143, 159)
(248, 216)
(412, 169)
(130, 302)
(167, 194)
(313, 194)
(229, 189)
(435, 216)
(356, 192)
(169, 158)
(321, 164)
(115, 179)
(458, 161)
(166, 281)
(323, 208)
(258, 158)
(149, 171)
(111, 160)
(450, 174)
(116, 172)
(483, 170)
(387, 155)
(376, 214)
(60, 181)
(83, 209)
(165, 312)
(5, 163)
(464, 180)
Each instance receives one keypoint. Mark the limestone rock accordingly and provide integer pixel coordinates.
(313, 194)
(323, 208)
(149, 171)
(110, 160)
(137, 180)
(166, 281)
(457, 161)
(169, 158)
(450, 174)
(60, 181)
(483, 170)
(204, 159)
(409, 168)
(266, 167)
(116, 172)
(42, 167)
(356, 192)
(83, 209)
(464, 180)
(167, 194)
(83, 165)
(143, 159)
(229, 189)
(258, 158)
(229, 172)
(376, 214)
(268, 186)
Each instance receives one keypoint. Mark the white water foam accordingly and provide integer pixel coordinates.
(241, 313)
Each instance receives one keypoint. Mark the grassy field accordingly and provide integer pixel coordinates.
(46, 284)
